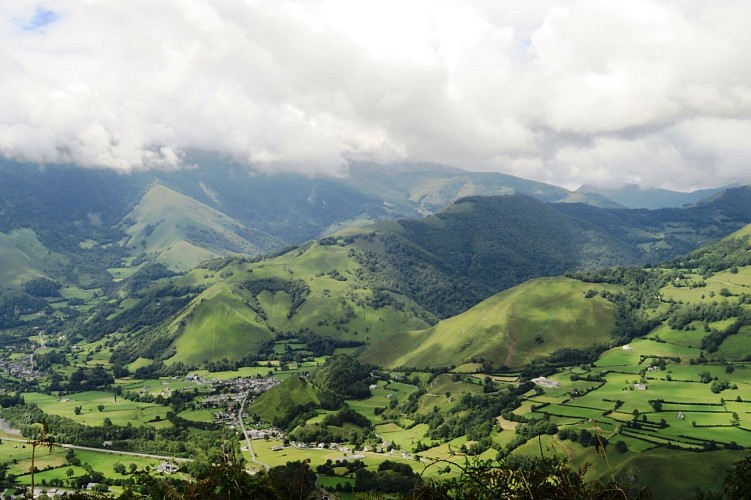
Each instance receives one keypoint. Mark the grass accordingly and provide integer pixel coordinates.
(736, 347)
(674, 474)
(264, 452)
(121, 412)
(279, 400)
(53, 464)
(511, 327)
(405, 438)
(219, 326)
(162, 222)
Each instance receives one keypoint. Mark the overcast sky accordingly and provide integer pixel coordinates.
(569, 92)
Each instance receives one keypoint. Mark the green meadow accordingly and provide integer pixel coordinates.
(120, 412)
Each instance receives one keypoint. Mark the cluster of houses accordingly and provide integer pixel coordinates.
(21, 368)
(232, 394)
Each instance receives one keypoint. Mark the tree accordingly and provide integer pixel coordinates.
(738, 479)
(100, 408)
(69, 472)
(77, 410)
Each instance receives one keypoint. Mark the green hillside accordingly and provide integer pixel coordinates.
(181, 232)
(509, 329)
(363, 284)
(482, 245)
(231, 308)
(23, 256)
(218, 327)
(283, 402)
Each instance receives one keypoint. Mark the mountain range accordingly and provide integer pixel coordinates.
(452, 292)
(373, 271)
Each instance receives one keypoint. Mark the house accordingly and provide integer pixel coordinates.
(680, 415)
(627, 348)
(352, 458)
(640, 387)
(166, 468)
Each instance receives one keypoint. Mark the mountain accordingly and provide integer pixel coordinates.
(99, 226)
(427, 188)
(634, 196)
(479, 246)
(231, 308)
(24, 257)
(181, 232)
(364, 284)
(65, 204)
(508, 329)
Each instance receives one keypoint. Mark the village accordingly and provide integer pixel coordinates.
(229, 395)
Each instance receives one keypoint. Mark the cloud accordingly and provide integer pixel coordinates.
(565, 92)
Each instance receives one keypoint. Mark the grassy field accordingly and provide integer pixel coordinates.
(53, 464)
(264, 452)
(121, 412)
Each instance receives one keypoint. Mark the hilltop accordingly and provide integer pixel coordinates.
(507, 330)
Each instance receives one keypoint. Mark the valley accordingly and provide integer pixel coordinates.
(609, 345)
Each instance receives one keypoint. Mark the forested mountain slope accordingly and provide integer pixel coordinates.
(482, 245)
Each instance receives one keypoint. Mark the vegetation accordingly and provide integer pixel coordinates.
(114, 337)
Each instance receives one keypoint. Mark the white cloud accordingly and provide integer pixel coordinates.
(567, 92)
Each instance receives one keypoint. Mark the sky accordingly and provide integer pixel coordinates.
(656, 93)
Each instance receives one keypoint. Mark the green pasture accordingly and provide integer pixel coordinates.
(202, 415)
(648, 347)
(684, 338)
(675, 473)
(279, 400)
(468, 368)
(617, 357)
(120, 412)
(332, 481)
(52, 464)
(21, 453)
(163, 386)
(736, 347)
(367, 406)
(121, 273)
(264, 453)
(243, 372)
(405, 438)
(570, 411)
(446, 383)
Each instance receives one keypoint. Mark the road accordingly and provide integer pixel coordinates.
(247, 437)
(105, 450)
